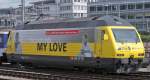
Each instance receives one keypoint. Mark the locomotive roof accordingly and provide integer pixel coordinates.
(96, 21)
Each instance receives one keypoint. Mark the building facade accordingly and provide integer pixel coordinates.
(7, 19)
(61, 8)
(136, 12)
(46, 7)
(73, 8)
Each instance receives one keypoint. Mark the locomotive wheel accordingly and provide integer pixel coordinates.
(20, 66)
(120, 69)
(132, 68)
(126, 69)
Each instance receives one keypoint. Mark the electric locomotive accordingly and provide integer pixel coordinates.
(107, 43)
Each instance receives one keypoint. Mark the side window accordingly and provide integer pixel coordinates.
(102, 34)
(1, 41)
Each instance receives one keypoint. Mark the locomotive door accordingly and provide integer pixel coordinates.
(98, 47)
(105, 45)
(98, 43)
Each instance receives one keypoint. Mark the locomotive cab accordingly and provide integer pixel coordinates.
(121, 45)
(129, 48)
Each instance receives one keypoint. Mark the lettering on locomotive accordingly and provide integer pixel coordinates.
(52, 47)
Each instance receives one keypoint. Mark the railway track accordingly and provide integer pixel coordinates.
(53, 74)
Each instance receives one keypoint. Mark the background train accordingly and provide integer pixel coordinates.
(3, 44)
(107, 43)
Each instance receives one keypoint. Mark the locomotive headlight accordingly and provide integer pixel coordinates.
(141, 54)
(120, 54)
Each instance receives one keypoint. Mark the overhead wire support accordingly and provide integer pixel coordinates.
(23, 11)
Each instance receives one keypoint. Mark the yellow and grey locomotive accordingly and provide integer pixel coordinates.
(105, 43)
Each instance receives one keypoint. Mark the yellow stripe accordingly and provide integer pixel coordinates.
(72, 49)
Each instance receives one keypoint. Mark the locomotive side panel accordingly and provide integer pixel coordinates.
(71, 46)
